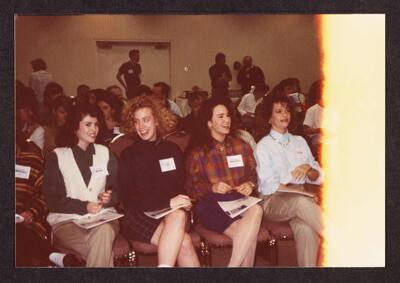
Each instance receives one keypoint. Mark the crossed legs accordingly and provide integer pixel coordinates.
(243, 233)
(174, 244)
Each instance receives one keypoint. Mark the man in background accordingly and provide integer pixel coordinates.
(39, 79)
(131, 72)
(220, 73)
(249, 75)
(162, 91)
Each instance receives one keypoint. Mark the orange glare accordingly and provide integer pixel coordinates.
(353, 155)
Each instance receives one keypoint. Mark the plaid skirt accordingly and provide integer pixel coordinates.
(139, 227)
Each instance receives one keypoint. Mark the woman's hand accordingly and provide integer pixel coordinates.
(28, 216)
(245, 188)
(221, 188)
(94, 207)
(180, 200)
(300, 172)
(105, 197)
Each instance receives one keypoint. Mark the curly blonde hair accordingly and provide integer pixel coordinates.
(168, 121)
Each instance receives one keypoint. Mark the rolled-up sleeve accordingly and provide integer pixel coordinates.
(268, 183)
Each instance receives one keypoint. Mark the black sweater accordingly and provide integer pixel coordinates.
(143, 186)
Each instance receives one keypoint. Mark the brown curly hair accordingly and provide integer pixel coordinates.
(168, 121)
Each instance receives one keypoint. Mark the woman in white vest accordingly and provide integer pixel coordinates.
(80, 178)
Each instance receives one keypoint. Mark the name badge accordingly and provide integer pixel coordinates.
(98, 171)
(116, 131)
(22, 171)
(299, 153)
(235, 161)
(130, 71)
(167, 164)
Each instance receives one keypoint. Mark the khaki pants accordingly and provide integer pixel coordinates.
(304, 217)
(95, 244)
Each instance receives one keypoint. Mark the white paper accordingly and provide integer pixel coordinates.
(89, 221)
(19, 218)
(236, 207)
(22, 171)
(156, 214)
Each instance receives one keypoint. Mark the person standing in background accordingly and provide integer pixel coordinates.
(39, 79)
(249, 75)
(220, 74)
(131, 71)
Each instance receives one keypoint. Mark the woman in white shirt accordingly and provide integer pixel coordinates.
(284, 165)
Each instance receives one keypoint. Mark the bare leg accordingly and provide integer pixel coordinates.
(187, 256)
(169, 236)
(244, 233)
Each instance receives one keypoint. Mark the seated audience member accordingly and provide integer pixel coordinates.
(80, 177)
(27, 107)
(285, 163)
(117, 91)
(313, 119)
(212, 177)
(39, 79)
(151, 177)
(220, 74)
(32, 232)
(142, 90)
(111, 107)
(51, 91)
(162, 91)
(62, 107)
(246, 137)
(82, 94)
(247, 105)
(196, 99)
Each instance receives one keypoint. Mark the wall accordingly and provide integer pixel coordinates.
(282, 45)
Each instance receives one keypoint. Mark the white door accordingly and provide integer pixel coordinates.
(155, 64)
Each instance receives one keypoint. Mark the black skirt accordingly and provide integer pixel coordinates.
(139, 227)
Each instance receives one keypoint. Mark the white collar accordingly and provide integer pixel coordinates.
(283, 139)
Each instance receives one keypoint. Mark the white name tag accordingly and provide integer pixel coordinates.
(235, 161)
(299, 153)
(98, 171)
(22, 171)
(167, 164)
(116, 131)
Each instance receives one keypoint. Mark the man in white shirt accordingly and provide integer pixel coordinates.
(39, 79)
(248, 104)
(162, 90)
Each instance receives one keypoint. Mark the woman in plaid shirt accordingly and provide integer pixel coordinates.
(221, 167)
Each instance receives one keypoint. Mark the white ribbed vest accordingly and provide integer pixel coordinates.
(75, 185)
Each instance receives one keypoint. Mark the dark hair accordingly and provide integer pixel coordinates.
(143, 90)
(315, 93)
(165, 88)
(286, 82)
(81, 87)
(262, 87)
(67, 136)
(26, 98)
(237, 65)
(264, 112)
(108, 89)
(194, 96)
(38, 64)
(115, 103)
(219, 56)
(133, 52)
(202, 137)
(51, 89)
